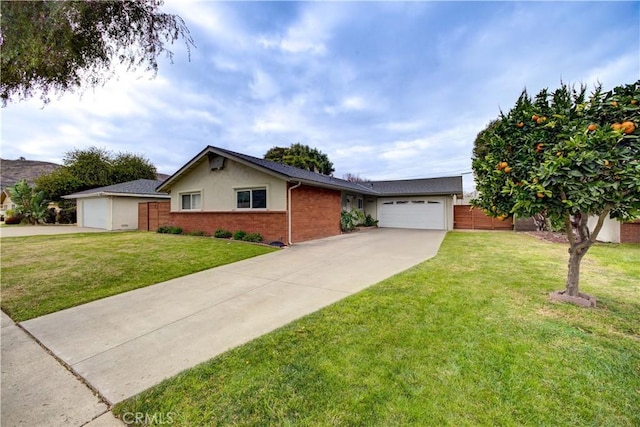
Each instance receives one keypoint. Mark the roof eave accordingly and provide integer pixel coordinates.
(110, 194)
(210, 149)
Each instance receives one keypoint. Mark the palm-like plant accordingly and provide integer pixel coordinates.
(30, 205)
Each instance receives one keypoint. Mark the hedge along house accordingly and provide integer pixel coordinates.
(219, 188)
(115, 207)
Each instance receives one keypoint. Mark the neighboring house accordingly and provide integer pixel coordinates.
(5, 204)
(115, 207)
(219, 188)
(614, 231)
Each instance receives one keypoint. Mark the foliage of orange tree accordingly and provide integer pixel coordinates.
(567, 154)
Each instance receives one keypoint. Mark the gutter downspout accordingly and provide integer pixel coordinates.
(289, 211)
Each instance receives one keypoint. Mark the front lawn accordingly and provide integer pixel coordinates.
(467, 338)
(43, 274)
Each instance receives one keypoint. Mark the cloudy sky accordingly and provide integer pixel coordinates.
(387, 90)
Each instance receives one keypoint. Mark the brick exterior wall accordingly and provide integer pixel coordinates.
(315, 213)
(630, 232)
(271, 225)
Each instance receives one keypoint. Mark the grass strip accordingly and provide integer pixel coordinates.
(44, 274)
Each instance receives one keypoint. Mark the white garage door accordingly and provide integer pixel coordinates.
(412, 212)
(94, 213)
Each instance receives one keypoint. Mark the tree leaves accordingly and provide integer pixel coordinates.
(56, 46)
(94, 167)
(301, 156)
(553, 152)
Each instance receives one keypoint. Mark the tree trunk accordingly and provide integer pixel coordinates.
(579, 244)
(573, 277)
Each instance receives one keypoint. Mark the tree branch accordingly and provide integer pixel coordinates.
(603, 215)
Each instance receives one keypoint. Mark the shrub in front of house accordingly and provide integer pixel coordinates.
(252, 237)
(67, 215)
(239, 235)
(12, 217)
(169, 229)
(221, 233)
(369, 221)
(50, 216)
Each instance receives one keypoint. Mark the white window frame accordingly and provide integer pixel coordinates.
(251, 190)
(190, 193)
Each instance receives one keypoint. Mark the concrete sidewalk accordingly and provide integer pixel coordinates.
(45, 230)
(38, 391)
(124, 344)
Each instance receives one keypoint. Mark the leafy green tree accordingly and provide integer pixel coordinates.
(59, 183)
(301, 156)
(91, 168)
(30, 205)
(55, 46)
(566, 155)
(128, 167)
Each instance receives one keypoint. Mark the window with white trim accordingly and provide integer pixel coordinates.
(190, 201)
(254, 198)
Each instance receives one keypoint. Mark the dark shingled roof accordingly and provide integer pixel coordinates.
(143, 187)
(408, 187)
(434, 186)
(297, 173)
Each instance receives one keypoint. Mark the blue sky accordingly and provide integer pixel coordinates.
(387, 90)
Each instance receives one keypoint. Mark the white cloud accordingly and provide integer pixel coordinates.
(623, 69)
(262, 86)
(310, 33)
(216, 19)
(281, 118)
(403, 126)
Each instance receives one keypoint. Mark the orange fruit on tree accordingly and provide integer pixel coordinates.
(539, 147)
(535, 117)
(520, 124)
(508, 169)
(541, 120)
(502, 165)
(616, 126)
(627, 127)
(634, 101)
(592, 127)
(614, 103)
(540, 195)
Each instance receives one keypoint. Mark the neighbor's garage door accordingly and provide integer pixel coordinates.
(412, 212)
(94, 213)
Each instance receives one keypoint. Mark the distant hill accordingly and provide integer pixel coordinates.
(12, 171)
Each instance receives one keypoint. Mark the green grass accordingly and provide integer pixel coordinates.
(467, 338)
(43, 274)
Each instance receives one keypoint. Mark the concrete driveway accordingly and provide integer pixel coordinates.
(124, 344)
(44, 230)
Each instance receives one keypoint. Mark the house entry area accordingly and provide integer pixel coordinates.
(412, 212)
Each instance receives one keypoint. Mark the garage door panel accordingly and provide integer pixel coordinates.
(94, 213)
(419, 213)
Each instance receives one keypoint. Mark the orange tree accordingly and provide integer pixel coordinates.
(568, 155)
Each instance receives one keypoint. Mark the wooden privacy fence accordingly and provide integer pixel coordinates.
(152, 215)
(465, 217)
